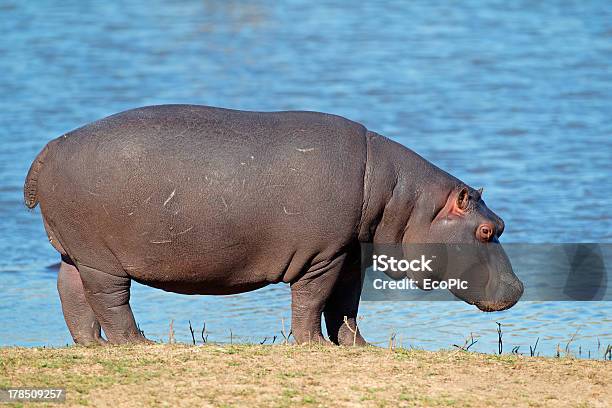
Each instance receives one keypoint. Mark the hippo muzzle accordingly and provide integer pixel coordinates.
(492, 284)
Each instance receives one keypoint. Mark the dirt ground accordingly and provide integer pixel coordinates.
(289, 375)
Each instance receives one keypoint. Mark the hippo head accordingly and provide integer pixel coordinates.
(462, 236)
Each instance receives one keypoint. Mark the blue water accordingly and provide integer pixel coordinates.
(512, 96)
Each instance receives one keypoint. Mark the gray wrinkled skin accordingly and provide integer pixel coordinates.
(201, 200)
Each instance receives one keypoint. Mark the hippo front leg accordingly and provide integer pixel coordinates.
(341, 309)
(309, 296)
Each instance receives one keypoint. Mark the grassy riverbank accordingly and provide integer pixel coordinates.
(285, 375)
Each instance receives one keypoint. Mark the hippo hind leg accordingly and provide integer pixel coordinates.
(80, 318)
(109, 296)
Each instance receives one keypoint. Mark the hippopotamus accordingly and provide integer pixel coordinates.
(203, 200)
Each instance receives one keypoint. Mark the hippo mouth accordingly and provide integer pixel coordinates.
(510, 295)
(494, 306)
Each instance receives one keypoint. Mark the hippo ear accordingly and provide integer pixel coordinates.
(480, 191)
(463, 199)
(456, 204)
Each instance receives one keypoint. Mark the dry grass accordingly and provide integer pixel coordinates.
(286, 375)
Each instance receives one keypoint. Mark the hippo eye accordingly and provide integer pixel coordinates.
(485, 232)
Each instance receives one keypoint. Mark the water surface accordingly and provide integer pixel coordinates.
(515, 97)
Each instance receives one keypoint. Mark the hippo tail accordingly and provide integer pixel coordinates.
(30, 189)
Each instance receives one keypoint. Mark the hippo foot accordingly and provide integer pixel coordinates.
(96, 340)
(348, 335)
(89, 340)
(317, 340)
(140, 339)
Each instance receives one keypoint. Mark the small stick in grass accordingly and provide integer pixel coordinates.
(286, 337)
(466, 346)
(392, 341)
(532, 350)
(203, 334)
(500, 344)
(351, 330)
(192, 333)
(570, 341)
(171, 332)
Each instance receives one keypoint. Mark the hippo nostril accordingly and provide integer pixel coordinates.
(500, 228)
